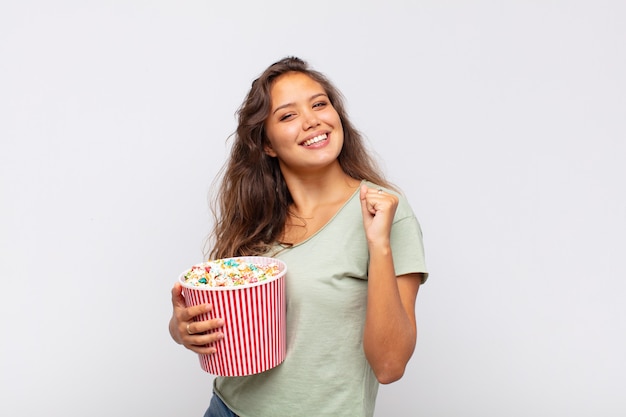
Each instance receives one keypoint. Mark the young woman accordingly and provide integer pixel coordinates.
(300, 186)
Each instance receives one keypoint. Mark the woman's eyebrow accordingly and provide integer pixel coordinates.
(313, 97)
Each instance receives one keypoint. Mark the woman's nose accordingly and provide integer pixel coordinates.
(310, 120)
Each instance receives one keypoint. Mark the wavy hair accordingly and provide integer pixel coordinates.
(252, 201)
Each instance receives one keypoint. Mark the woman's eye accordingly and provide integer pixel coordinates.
(285, 117)
(320, 104)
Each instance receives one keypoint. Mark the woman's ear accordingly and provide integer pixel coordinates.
(269, 151)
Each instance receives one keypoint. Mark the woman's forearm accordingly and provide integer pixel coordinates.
(390, 332)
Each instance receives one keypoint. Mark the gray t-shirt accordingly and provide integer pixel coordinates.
(325, 372)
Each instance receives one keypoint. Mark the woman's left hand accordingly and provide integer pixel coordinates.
(378, 208)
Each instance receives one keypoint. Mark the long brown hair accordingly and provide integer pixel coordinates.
(252, 200)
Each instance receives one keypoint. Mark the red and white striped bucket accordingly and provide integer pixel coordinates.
(254, 322)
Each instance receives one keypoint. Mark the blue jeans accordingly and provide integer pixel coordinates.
(217, 408)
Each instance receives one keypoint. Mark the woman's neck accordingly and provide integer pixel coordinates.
(315, 192)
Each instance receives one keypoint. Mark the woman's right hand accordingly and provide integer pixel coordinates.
(188, 332)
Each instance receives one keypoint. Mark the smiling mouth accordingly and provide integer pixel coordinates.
(314, 140)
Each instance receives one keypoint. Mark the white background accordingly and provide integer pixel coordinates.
(503, 122)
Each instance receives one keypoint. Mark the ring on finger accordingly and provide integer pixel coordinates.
(189, 331)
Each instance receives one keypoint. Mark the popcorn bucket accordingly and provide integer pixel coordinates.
(254, 321)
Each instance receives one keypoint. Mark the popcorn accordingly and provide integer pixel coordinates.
(248, 293)
(228, 273)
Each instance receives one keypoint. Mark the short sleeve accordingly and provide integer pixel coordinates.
(407, 244)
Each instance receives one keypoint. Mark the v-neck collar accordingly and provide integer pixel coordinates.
(354, 195)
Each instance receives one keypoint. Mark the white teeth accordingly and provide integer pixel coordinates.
(315, 140)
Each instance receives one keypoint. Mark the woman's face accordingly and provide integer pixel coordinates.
(303, 127)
